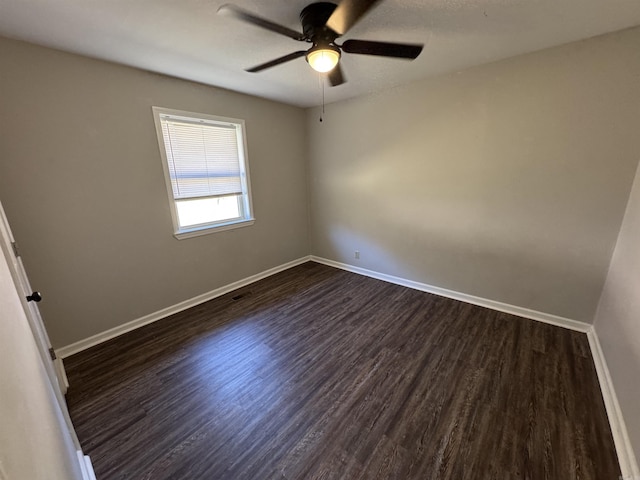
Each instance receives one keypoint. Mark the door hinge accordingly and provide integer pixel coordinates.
(16, 252)
(52, 352)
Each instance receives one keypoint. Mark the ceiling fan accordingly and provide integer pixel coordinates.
(322, 24)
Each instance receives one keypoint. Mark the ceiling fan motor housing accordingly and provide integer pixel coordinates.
(314, 18)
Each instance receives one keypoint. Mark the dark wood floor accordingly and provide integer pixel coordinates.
(316, 373)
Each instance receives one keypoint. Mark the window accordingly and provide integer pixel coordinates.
(206, 170)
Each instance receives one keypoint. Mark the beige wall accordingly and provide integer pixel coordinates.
(506, 181)
(82, 184)
(618, 318)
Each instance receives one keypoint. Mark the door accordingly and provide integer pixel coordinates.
(35, 442)
(29, 299)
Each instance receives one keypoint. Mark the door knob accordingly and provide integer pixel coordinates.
(34, 297)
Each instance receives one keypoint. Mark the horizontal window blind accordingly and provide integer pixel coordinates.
(202, 157)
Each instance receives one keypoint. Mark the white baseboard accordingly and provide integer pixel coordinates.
(165, 312)
(61, 373)
(86, 466)
(626, 457)
(463, 297)
(81, 345)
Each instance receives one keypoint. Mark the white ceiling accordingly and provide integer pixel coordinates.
(187, 39)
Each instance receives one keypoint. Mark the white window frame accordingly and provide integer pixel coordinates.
(247, 206)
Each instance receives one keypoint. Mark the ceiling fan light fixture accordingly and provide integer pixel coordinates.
(323, 22)
(323, 58)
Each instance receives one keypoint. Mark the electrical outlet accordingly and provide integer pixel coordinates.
(356, 254)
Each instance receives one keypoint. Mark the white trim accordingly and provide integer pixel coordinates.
(58, 364)
(626, 457)
(196, 232)
(86, 467)
(165, 312)
(463, 297)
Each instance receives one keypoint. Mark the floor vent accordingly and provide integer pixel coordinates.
(241, 295)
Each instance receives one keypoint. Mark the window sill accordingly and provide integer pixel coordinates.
(196, 232)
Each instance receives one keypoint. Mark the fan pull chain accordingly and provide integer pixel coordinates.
(321, 80)
(322, 101)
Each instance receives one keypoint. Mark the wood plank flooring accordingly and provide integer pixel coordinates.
(317, 373)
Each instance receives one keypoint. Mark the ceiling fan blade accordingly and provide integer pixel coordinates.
(385, 49)
(278, 61)
(348, 13)
(245, 16)
(336, 77)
